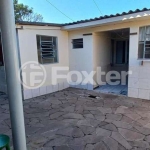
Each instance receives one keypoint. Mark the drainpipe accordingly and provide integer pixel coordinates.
(11, 61)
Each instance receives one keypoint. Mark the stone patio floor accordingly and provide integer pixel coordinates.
(70, 120)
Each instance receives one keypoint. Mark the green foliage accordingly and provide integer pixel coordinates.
(25, 13)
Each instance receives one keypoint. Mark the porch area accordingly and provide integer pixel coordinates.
(111, 55)
(71, 120)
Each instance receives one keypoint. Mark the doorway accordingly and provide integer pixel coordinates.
(117, 57)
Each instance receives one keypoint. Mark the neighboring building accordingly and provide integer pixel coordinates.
(118, 42)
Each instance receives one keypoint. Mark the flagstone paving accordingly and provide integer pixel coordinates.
(70, 120)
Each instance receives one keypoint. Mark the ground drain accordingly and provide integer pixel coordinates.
(92, 96)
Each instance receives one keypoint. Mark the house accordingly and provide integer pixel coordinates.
(118, 42)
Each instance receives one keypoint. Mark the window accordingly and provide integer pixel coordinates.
(77, 43)
(47, 49)
(144, 43)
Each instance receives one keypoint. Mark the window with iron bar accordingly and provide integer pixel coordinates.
(47, 49)
(77, 43)
(144, 43)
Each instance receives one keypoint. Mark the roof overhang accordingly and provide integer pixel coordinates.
(118, 19)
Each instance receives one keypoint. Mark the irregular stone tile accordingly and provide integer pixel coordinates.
(110, 104)
(88, 108)
(62, 148)
(70, 121)
(102, 132)
(115, 117)
(116, 136)
(48, 148)
(100, 117)
(43, 128)
(133, 116)
(73, 116)
(130, 135)
(87, 130)
(110, 127)
(38, 141)
(79, 109)
(37, 115)
(100, 146)
(147, 138)
(52, 127)
(31, 130)
(56, 115)
(125, 103)
(140, 144)
(111, 143)
(89, 116)
(122, 110)
(89, 147)
(57, 142)
(143, 130)
(120, 147)
(105, 110)
(127, 120)
(77, 132)
(86, 112)
(78, 147)
(103, 123)
(65, 132)
(147, 126)
(96, 112)
(54, 101)
(121, 124)
(88, 122)
(143, 121)
(145, 115)
(88, 139)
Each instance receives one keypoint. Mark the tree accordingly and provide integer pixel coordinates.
(25, 13)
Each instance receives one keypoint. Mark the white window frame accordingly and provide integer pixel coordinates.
(53, 51)
(144, 42)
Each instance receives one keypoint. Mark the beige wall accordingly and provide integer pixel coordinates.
(139, 81)
(28, 52)
(81, 59)
(101, 54)
(95, 53)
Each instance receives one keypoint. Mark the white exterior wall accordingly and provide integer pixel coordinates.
(81, 59)
(28, 52)
(139, 81)
(87, 58)
(101, 57)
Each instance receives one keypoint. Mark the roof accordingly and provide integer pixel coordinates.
(38, 23)
(82, 21)
(108, 16)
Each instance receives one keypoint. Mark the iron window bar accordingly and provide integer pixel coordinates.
(146, 44)
(77, 43)
(47, 49)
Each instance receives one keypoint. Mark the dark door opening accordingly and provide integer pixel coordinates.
(122, 52)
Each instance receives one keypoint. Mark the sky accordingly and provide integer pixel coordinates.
(81, 9)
